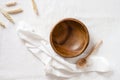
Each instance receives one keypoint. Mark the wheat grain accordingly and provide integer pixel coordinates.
(10, 4)
(2, 24)
(15, 11)
(35, 7)
(7, 16)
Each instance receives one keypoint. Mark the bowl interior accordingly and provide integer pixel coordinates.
(69, 38)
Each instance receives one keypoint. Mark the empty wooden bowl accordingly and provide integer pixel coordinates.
(69, 38)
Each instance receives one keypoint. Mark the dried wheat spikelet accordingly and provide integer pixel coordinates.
(5, 14)
(10, 4)
(15, 11)
(2, 24)
(35, 7)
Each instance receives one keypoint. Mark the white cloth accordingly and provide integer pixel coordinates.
(54, 64)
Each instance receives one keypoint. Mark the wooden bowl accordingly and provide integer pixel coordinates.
(69, 38)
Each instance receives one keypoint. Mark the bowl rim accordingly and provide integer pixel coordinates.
(71, 19)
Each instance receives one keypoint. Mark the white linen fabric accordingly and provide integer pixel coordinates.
(57, 67)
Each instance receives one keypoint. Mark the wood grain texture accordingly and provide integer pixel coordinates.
(69, 38)
(83, 61)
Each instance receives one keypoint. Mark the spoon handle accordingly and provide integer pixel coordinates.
(82, 61)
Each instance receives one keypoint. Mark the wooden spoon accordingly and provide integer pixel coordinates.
(82, 62)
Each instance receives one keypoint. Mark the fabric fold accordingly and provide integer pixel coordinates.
(55, 64)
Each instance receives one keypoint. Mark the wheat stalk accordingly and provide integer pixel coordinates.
(15, 11)
(35, 7)
(10, 4)
(7, 16)
(1, 24)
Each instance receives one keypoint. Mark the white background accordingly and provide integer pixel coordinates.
(17, 63)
